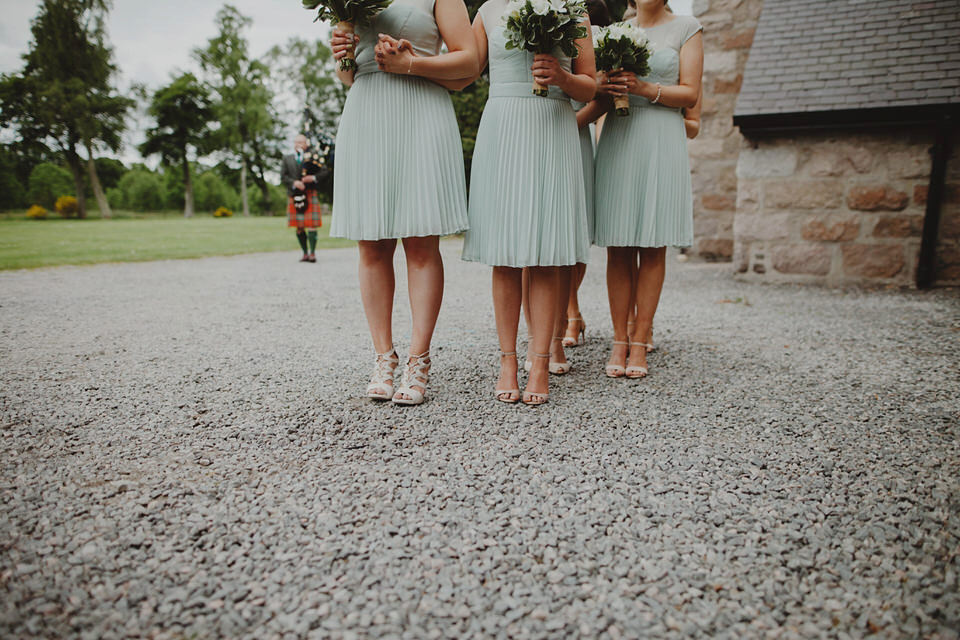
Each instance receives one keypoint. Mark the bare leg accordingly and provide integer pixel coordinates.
(653, 262)
(564, 277)
(507, 295)
(526, 315)
(543, 306)
(377, 283)
(632, 315)
(575, 322)
(425, 284)
(620, 296)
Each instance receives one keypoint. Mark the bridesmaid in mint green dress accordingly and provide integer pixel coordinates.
(399, 170)
(643, 198)
(526, 190)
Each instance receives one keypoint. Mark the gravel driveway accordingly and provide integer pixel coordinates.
(185, 452)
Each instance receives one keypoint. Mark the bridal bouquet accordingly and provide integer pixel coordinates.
(543, 26)
(622, 46)
(346, 15)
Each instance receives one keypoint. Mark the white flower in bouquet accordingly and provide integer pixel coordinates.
(622, 46)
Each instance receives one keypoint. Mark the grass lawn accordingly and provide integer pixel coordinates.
(26, 244)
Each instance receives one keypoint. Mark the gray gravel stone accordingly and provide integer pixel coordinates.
(185, 451)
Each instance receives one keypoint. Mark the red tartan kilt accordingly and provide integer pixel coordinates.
(309, 218)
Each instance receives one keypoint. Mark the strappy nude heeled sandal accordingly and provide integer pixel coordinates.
(416, 373)
(558, 368)
(381, 382)
(616, 370)
(636, 371)
(509, 396)
(534, 398)
(579, 334)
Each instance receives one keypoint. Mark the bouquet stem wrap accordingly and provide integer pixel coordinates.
(622, 105)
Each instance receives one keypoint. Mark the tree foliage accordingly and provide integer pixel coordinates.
(63, 97)
(183, 113)
(249, 130)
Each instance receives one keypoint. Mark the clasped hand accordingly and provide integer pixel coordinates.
(392, 55)
(547, 70)
(618, 83)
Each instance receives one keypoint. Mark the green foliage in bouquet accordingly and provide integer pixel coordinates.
(543, 26)
(356, 12)
(346, 14)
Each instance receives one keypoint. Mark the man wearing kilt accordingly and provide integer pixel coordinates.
(300, 174)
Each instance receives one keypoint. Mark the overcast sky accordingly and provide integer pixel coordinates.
(151, 40)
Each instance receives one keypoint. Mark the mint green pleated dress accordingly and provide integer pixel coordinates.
(642, 189)
(527, 199)
(398, 169)
(587, 150)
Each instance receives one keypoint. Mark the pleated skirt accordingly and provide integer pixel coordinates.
(398, 171)
(586, 157)
(527, 194)
(642, 188)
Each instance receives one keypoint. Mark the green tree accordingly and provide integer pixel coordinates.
(64, 96)
(250, 129)
(183, 113)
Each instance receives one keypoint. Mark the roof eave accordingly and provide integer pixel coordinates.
(914, 115)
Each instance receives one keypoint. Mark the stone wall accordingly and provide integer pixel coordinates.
(728, 28)
(840, 208)
(948, 245)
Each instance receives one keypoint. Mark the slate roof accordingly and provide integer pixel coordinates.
(831, 55)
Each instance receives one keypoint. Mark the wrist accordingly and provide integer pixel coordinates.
(410, 66)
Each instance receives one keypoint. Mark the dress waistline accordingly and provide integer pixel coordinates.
(524, 90)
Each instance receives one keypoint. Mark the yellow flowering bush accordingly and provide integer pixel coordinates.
(36, 212)
(67, 206)
(222, 212)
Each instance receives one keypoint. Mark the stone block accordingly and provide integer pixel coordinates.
(899, 227)
(860, 158)
(920, 194)
(827, 162)
(803, 194)
(728, 85)
(877, 198)
(801, 259)
(739, 39)
(720, 62)
(748, 197)
(833, 228)
(719, 202)
(762, 226)
(767, 162)
(703, 147)
(949, 225)
(741, 258)
(948, 263)
(714, 248)
(907, 164)
(872, 260)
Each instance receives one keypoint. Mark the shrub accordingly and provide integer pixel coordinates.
(143, 190)
(211, 191)
(67, 206)
(36, 212)
(47, 183)
(222, 212)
